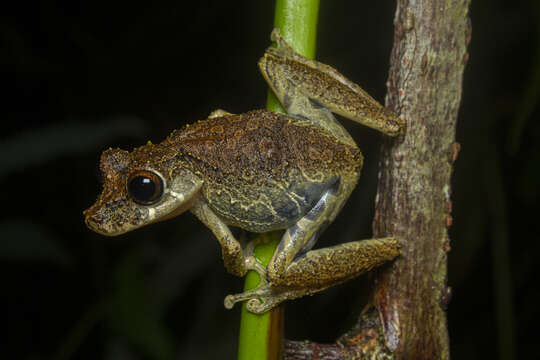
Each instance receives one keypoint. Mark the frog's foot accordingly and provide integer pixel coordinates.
(264, 298)
(318, 270)
(284, 48)
(219, 113)
(251, 263)
(259, 299)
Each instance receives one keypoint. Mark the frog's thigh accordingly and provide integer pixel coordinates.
(232, 253)
(319, 269)
(322, 268)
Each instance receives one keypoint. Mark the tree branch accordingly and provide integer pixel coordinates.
(413, 197)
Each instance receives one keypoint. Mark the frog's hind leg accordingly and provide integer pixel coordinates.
(292, 76)
(334, 265)
(295, 270)
(295, 265)
(318, 270)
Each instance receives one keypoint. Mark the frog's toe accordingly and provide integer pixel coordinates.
(251, 263)
(257, 299)
(229, 301)
(218, 113)
(255, 304)
(258, 306)
(251, 296)
(275, 35)
(262, 304)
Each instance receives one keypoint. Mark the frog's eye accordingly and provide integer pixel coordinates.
(145, 187)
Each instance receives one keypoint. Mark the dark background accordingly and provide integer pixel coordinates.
(78, 77)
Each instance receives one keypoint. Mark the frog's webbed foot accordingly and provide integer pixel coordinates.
(263, 298)
(332, 266)
(259, 300)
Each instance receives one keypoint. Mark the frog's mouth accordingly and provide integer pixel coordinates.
(95, 226)
(113, 218)
(107, 222)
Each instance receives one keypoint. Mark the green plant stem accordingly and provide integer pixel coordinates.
(261, 336)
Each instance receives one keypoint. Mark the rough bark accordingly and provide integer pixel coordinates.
(364, 341)
(413, 198)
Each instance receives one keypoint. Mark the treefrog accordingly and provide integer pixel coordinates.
(260, 171)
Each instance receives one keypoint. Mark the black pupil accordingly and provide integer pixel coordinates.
(143, 189)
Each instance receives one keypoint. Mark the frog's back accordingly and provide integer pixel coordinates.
(263, 170)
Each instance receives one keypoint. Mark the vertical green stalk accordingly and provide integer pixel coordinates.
(261, 336)
(297, 21)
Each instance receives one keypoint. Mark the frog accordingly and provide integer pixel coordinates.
(260, 171)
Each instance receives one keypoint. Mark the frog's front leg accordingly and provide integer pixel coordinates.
(236, 262)
(295, 270)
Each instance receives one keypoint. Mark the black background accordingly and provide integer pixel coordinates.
(78, 77)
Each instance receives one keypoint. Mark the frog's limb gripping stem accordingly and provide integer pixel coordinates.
(252, 263)
(259, 300)
(310, 91)
(237, 261)
(291, 275)
(324, 85)
(333, 266)
(232, 253)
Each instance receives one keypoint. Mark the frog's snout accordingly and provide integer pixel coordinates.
(97, 221)
(94, 221)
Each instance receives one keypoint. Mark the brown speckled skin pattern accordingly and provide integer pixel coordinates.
(262, 171)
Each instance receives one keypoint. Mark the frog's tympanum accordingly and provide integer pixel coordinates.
(259, 171)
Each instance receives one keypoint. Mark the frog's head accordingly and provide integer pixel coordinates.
(140, 188)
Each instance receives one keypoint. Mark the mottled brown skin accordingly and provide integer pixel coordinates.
(260, 171)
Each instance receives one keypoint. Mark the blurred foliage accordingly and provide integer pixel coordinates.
(39, 146)
(38, 244)
(79, 77)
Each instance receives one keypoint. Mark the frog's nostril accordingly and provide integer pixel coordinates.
(98, 222)
(93, 219)
(90, 222)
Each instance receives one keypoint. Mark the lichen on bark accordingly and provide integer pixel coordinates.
(413, 197)
(413, 200)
